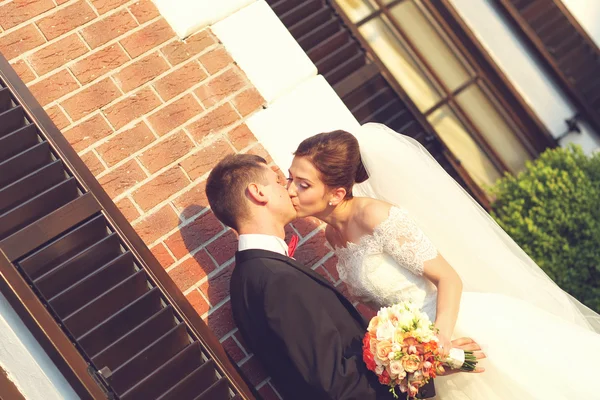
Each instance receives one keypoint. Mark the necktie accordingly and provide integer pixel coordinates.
(292, 245)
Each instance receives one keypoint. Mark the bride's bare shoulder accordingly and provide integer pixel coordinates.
(371, 213)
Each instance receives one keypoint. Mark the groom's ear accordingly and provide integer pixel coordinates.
(256, 193)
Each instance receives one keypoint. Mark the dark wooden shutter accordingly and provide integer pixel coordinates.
(83, 280)
(563, 45)
(359, 78)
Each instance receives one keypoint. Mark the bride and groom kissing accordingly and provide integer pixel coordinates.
(309, 336)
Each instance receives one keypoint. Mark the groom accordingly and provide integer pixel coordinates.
(304, 331)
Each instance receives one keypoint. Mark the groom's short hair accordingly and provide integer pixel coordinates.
(227, 183)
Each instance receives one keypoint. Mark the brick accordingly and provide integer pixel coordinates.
(259, 150)
(366, 311)
(165, 152)
(241, 137)
(104, 6)
(175, 114)
(53, 87)
(216, 288)
(216, 60)
(140, 72)
(197, 301)
(194, 235)
(224, 248)
(180, 51)
(204, 160)
(122, 178)
(220, 321)
(144, 11)
(267, 392)
(23, 70)
(331, 266)
(253, 371)
(107, 29)
(18, 42)
(125, 144)
(90, 99)
(306, 225)
(248, 101)
(93, 163)
(59, 2)
(131, 107)
(233, 349)
(88, 132)
(99, 63)
(128, 209)
(187, 274)
(147, 38)
(66, 19)
(192, 202)
(323, 272)
(217, 119)
(160, 188)
(180, 80)
(312, 250)
(57, 54)
(162, 255)
(220, 87)
(157, 224)
(19, 11)
(58, 117)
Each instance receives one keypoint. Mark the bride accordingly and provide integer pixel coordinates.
(415, 234)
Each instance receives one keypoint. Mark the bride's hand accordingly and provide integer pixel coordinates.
(444, 345)
(467, 344)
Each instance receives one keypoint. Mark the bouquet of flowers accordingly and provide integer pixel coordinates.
(401, 347)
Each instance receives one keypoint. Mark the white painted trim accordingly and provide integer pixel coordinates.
(189, 16)
(265, 50)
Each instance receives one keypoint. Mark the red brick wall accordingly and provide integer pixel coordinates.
(150, 115)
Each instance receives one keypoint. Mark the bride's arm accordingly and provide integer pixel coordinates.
(449, 288)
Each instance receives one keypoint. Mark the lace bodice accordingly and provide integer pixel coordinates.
(387, 266)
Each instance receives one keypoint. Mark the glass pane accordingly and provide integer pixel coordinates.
(357, 10)
(442, 58)
(462, 145)
(400, 63)
(497, 132)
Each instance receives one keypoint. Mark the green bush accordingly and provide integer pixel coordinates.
(552, 210)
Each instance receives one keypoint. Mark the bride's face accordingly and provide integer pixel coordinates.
(309, 194)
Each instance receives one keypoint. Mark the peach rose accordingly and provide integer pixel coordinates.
(410, 362)
(382, 349)
(373, 324)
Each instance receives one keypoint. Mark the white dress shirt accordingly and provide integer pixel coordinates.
(263, 242)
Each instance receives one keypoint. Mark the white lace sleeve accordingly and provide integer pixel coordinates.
(401, 238)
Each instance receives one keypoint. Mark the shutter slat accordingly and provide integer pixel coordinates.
(167, 375)
(24, 162)
(18, 141)
(120, 323)
(91, 286)
(32, 184)
(149, 359)
(11, 120)
(316, 25)
(135, 340)
(194, 384)
(217, 391)
(110, 302)
(339, 55)
(372, 103)
(64, 248)
(79, 266)
(325, 48)
(5, 100)
(43, 203)
(300, 11)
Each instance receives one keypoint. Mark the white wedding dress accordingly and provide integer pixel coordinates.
(540, 342)
(531, 354)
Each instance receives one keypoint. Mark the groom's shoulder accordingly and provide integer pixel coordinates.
(261, 268)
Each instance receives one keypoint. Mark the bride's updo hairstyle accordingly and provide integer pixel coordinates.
(336, 155)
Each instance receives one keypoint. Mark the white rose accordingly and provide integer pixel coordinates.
(396, 369)
(385, 331)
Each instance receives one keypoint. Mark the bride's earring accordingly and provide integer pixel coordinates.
(330, 204)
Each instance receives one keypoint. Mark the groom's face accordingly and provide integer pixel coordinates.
(279, 202)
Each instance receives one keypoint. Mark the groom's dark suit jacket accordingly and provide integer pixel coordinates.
(305, 332)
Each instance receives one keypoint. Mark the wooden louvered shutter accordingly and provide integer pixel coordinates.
(84, 282)
(358, 77)
(571, 55)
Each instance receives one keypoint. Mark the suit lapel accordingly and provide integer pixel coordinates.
(246, 255)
